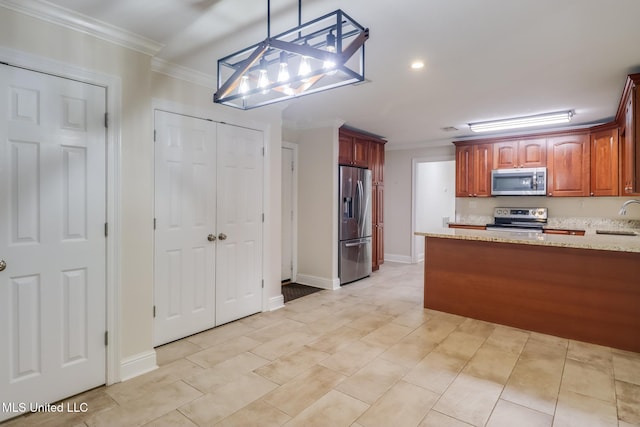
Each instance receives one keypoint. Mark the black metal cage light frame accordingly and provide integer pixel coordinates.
(322, 54)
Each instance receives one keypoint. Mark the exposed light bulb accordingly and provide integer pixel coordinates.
(244, 85)
(305, 66)
(283, 73)
(263, 79)
(331, 47)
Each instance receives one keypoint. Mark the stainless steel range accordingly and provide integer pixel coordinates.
(524, 220)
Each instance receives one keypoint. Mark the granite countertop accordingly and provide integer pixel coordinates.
(591, 240)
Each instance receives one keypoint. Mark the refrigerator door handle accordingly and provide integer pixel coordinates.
(360, 208)
(360, 243)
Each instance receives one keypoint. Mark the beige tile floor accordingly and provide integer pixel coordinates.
(370, 355)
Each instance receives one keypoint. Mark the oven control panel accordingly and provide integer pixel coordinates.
(521, 213)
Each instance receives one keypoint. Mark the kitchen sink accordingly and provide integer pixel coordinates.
(617, 232)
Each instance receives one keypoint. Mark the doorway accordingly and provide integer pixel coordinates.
(434, 202)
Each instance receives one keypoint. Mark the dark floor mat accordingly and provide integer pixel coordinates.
(293, 291)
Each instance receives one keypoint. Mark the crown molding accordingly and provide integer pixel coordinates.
(180, 72)
(82, 23)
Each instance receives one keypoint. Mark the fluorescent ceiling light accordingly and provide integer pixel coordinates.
(522, 122)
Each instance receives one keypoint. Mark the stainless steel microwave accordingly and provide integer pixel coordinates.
(519, 182)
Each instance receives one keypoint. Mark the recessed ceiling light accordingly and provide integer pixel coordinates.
(416, 65)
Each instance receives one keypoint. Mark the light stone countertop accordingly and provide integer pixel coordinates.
(591, 240)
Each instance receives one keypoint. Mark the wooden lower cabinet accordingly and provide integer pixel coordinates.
(581, 294)
(468, 226)
(564, 232)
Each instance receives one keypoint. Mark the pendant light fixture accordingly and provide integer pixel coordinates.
(322, 54)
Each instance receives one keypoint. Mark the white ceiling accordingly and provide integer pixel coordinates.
(485, 59)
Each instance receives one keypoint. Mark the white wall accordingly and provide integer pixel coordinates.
(141, 88)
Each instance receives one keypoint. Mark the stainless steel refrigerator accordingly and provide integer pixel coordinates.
(354, 253)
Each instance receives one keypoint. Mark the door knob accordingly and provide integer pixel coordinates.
(3, 265)
(211, 237)
(222, 236)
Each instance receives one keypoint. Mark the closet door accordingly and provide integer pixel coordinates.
(185, 219)
(239, 223)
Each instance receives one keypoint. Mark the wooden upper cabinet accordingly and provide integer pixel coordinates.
(464, 171)
(604, 163)
(568, 165)
(532, 153)
(361, 152)
(505, 155)
(528, 153)
(630, 139)
(376, 162)
(482, 157)
(473, 170)
(353, 151)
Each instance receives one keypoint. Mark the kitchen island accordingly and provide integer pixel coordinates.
(585, 288)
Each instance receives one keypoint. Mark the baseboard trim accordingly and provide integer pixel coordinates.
(403, 259)
(276, 303)
(318, 282)
(138, 364)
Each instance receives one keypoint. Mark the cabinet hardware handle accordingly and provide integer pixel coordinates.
(222, 236)
(211, 237)
(3, 265)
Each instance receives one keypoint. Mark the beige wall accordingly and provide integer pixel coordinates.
(141, 90)
(317, 204)
(398, 193)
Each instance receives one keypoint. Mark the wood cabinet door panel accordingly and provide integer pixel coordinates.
(361, 152)
(376, 162)
(604, 163)
(464, 171)
(631, 146)
(482, 170)
(505, 155)
(568, 166)
(345, 150)
(532, 153)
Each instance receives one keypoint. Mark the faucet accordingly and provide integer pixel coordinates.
(623, 209)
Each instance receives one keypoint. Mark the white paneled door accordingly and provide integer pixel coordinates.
(185, 198)
(286, 229)
(208, 237)
(239, 223)
(52, 238)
